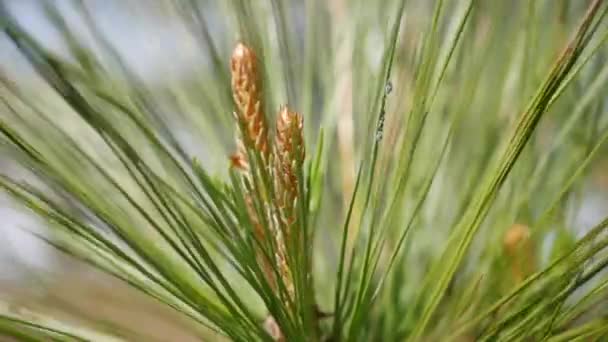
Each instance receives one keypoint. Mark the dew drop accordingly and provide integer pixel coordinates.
(388, 88)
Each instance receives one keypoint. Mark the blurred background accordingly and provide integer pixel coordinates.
(159, 46)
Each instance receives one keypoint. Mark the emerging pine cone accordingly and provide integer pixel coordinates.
(288, 159)
(247, 94)
(289, 156)
(520, 251)
(246, 91)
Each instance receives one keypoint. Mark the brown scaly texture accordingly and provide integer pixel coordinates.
(246, 91)
(247, 94)
(289, 155)
(288, 158)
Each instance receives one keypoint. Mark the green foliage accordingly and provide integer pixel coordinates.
(432, 128)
